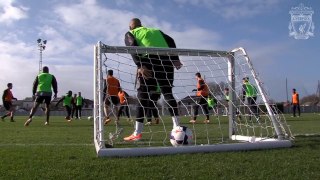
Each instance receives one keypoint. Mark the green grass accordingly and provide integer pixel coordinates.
(65, 151)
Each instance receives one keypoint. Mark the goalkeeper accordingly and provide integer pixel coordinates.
(154, 69)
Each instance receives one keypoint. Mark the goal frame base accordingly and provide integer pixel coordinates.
(155, 151)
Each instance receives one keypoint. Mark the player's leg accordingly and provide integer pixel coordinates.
(149, 116)
(126, 110)
(11, 111)
(37, 102)
(195, 108)
(165, 77)
(79, 112)
(204, 104)
(298, 108)
(155, 112)
(73, 111)
(120, 111)
(107, 103)
(146, 85)
(294, 107)
(68, 110)
(7, 108)
(170, 100)
(116, 101)
(47, 101)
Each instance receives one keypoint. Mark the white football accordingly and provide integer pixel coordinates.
(181, 136)
(89, 118)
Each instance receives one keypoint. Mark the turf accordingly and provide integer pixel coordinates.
(65, 151)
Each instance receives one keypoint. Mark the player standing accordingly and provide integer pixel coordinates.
(42, 92)
(7, 98)
(67, 102)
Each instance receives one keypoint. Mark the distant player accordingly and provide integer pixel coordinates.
(67, 103)
(42, 92)
(295, 103)
(212, 103)
(112, 86)
(7, 98)
(202, 95)
(73, 105)
(250, 93)
(79, 104)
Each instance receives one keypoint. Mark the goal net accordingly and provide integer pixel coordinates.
(241, 117)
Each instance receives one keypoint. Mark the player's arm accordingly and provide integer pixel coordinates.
(129, 40)
(54, 86)
(4, 95)
(118, 85)
(35, 85)
(171, 44)
(60, 101)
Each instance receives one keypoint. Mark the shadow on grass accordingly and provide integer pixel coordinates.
(312, 141)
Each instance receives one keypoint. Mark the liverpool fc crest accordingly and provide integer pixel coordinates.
(301, 25)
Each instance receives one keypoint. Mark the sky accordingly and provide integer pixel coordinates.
(73, 27)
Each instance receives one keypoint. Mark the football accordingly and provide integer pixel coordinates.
(181, 136)
(89, 118)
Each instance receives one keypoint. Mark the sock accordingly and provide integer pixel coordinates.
(138, 128)
(175, 121)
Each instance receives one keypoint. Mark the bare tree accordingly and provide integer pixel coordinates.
(310, 98)
(217, 89)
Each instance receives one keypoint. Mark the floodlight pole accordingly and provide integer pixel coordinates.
(42, 47)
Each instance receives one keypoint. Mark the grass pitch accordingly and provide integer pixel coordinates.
(65, 151)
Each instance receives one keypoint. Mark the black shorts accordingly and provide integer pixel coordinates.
(201, 100)
(41, 99)
(111, 99)
(7, 105)
(155, 96)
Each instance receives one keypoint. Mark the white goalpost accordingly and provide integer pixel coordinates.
(235, 123)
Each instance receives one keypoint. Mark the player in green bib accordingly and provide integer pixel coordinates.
(42, 92)
(212, 103)
(67, 104)
(79, 104)
(250, 93)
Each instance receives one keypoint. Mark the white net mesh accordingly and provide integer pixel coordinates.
(251, 120)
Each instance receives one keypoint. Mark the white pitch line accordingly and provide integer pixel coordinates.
(306, 134)
(45, 144)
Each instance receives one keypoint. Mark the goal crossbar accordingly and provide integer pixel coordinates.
(163, 51)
